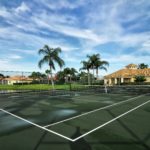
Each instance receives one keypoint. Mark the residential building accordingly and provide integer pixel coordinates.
(127, 75)
(16, 79)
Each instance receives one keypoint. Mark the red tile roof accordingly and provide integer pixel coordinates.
(19, 78)
(128, 73)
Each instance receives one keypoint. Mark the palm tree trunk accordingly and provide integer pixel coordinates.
(47, 78)
(88, 78)
(51, 74)
(97, 73)
(70, 79)
(66, 80)
(93, 74)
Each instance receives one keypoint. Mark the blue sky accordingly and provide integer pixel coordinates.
(117, 29)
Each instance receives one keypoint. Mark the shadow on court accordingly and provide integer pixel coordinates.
(139, 141)
(90, 142)
(80, 144)
(83, 144)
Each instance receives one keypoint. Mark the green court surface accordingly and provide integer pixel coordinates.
(75, 121)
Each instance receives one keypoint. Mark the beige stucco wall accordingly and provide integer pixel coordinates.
(14, 81)
(147, 79)
(132, 79)
(110, 81)
(10, 82)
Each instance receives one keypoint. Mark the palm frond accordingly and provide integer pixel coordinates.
(106, 63)
(41, 62)
(46, 48)
(103, 68)
(51, 56)
(58, 50)
(41, 51)
(59, 61)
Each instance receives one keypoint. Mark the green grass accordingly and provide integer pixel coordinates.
(32, 87)
(40, 87)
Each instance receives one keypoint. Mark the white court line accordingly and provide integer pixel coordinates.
(110, 121)
(73, 140)
(34, 124)
(83, 114)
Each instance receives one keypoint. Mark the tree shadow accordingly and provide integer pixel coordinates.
(134, 135)
(80, 144)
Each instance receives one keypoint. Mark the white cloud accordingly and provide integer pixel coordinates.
(127, 59)
(60, 4)
(22, 8)
(146, 46)
(69, 58)
(103, 28)
(101, 23)
(79, 33)
(12, 14)
(4, 13)
(68, 48)
(135, 39)
(13, 63)
(66, 29)
(15, 66)
(24, 51)
(15, 57)
(3, 61)
(110, 26)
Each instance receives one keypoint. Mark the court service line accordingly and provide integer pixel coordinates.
(34, 124)
(101, 108)
(110, 121)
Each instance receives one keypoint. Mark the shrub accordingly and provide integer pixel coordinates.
(140, 79)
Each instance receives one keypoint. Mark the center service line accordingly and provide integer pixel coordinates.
(101, 108)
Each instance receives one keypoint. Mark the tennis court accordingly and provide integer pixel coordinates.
(90, 120)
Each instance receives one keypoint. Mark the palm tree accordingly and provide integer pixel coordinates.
(92, 59)
(86, 66)
(67, 72)
(61, 76)
(97, 63)
(73, 73)
(101, 64)
(50, 56)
